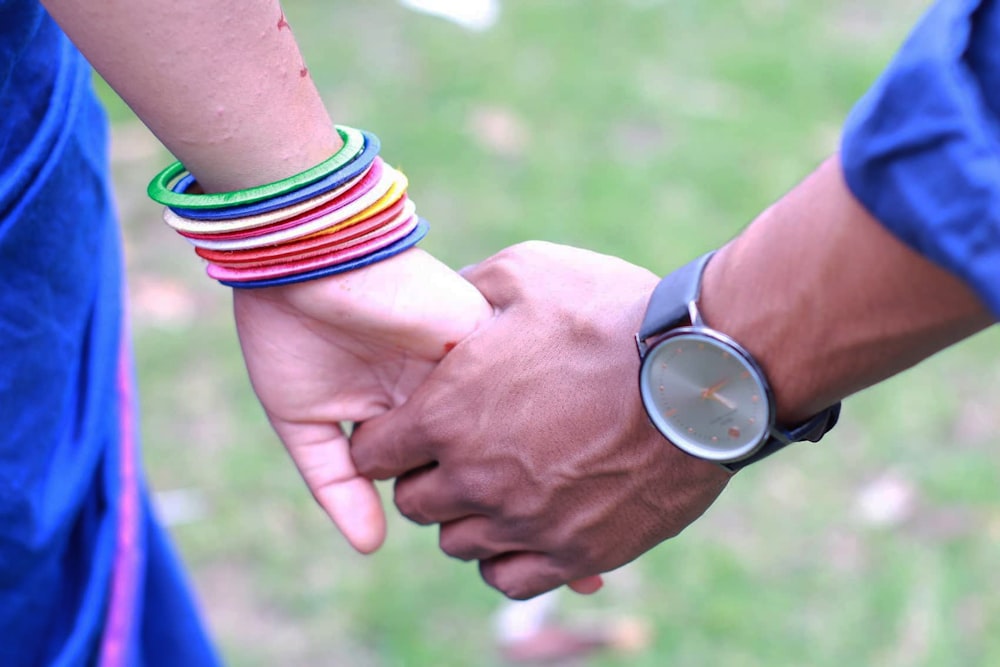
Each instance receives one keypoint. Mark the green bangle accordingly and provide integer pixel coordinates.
(160, 192)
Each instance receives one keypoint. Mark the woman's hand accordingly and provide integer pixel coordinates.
(345, 349)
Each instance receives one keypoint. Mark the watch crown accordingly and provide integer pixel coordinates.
(641, 346)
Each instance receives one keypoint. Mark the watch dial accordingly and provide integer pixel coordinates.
(705, 396)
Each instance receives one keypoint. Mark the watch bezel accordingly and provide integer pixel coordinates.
(677, 439)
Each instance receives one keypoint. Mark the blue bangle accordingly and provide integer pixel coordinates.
(349, 171)
(399, 246)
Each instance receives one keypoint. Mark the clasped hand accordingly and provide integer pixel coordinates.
(527, 442)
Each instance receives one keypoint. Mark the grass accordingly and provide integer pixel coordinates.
(649, 130)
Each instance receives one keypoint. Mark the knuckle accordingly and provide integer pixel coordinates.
(410, 503)
(524, 590)
(532, 247)
(512, 253)
(510, 261)
(453, 543)
(583, 549)
(519, 583)
(432, 428)
(474, 493)
(488, 573)
(453, 546)
(501, 267)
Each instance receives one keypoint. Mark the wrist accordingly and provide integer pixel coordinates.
(347, 212)
(828, 301)
(410, 301)
(741, 308)
(705, 391)
(235, 164)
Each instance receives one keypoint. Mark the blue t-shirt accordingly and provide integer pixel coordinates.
(87, 576)
(921, 150)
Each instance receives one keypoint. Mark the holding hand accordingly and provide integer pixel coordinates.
(528, 443)
(345, 349)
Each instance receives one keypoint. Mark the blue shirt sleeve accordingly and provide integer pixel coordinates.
(921, 150)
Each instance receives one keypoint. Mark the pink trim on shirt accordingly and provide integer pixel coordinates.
(121, 609)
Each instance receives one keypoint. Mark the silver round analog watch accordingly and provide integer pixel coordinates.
(701, 389)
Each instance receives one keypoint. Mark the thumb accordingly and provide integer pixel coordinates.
(395, 442)
(497, 277)
(321, 452)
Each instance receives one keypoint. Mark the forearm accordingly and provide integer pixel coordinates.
(223, 86)
(222, 83)
(828, 301)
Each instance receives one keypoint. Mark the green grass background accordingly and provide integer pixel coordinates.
(652, 130)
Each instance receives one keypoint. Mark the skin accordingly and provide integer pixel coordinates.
(528, 443)
(575, 483)
(222, 84)
(556, 472)
(866, 306)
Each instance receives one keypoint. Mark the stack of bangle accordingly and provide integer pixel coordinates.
(346, 212)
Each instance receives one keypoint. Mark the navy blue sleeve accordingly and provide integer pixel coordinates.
(921, 150)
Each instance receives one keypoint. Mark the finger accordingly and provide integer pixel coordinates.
(425, 496)
(495, 278)
(472, 538)
(522, 575)
(321, 453)
(587, 585)
(393, 443)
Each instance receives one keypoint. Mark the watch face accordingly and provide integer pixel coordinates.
(705, 395)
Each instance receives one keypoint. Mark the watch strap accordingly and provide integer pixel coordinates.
(813, 430)
(670, 302)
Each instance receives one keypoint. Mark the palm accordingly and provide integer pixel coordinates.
(345, 349)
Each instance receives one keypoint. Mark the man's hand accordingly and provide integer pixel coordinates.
(345, 349)
(528, 443)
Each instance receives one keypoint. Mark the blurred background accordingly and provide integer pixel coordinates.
(652, 130)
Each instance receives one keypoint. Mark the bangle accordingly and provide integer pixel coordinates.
(391, 181)
(333, 253)
(309, 243)
(345, 213)
(353, 170)
(159, 188)
(348, 239)
(391, 199)
(396, 248)
(275, 220)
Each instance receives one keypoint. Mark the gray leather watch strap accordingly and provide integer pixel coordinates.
(668, 305)
(813, 430)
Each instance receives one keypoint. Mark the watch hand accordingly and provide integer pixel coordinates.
(721, 399)
(710, 392)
